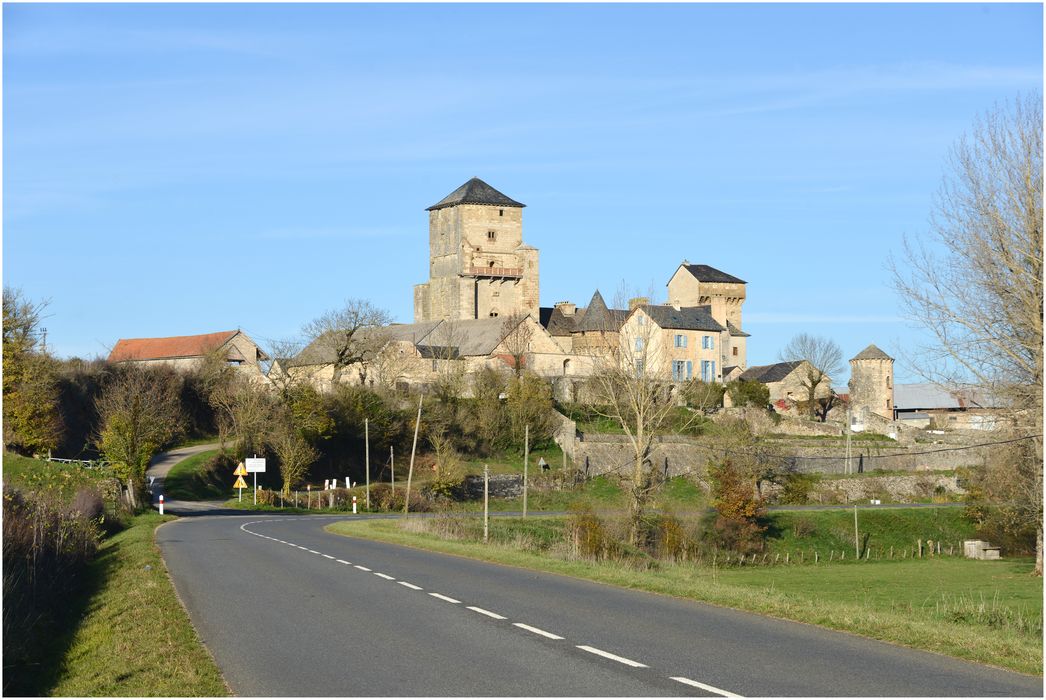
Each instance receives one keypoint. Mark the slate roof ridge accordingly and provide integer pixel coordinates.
(707, 273)
(698, 318)
(475, 191)
(872, 353)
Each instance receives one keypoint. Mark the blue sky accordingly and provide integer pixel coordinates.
(178, 169)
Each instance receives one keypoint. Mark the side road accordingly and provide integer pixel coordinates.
(159, 467)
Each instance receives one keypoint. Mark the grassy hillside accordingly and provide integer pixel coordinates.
(192, 479)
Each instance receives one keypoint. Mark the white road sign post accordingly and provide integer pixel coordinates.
(255, 464)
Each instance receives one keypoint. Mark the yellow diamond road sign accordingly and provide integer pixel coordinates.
(240, 470)
(240, 483)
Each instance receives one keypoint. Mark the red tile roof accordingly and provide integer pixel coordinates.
(163, 348)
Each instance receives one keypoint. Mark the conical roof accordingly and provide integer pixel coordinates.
(475, 191)
(872, 353)
(600, 318)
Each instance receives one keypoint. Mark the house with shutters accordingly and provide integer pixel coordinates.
(681, 343)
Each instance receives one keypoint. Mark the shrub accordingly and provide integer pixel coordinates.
(670, 537)
(747, 393)
(796, 488)
(738, 509)
(587, 533)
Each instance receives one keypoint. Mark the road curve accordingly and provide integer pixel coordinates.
(288, 609)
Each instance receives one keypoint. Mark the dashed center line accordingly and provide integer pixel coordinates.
(481, 611)
(488, 613)
(612, 657)
(702, 686)
(535, 630)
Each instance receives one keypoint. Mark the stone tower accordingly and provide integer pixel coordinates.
(479, 266)
(871, 383)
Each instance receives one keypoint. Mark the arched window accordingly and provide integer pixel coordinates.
(566, 367)
(493, 313)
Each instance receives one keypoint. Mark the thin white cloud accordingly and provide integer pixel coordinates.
(771, 317)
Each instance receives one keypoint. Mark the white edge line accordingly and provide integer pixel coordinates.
(410, 585)
(443, 597)
(481, 611)
(702, 686)
(535, 630)
(385, 576)
(612, 657)
(328, 556)
(361, 568)
(342, 561)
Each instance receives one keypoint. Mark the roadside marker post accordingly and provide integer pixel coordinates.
(366, 458)
(354, 505)
(526, 458)
(486, 501)
(161, 504)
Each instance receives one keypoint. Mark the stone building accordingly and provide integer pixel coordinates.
(683, 343)
(479, 266)
(785, 380)
(724, 295)
(871, 384)
(187, 352)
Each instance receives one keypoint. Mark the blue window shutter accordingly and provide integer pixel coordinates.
(711, 346)
(684, 341)
(689, 369)
(713, 370)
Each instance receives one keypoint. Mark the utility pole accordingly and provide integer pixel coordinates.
(413, 449)
(486, 501)
(366, 458)
(857, 538)
(526, 459)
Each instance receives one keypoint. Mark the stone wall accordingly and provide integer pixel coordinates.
(501, 486)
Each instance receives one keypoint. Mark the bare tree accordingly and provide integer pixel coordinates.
(295, 453)
(345, 336)
(443, 347)
(279, 374)
(976, 283)
(631, 386)
(393, 363)
(824, 359)
(518, 335)
(139, 411)
(245, 411)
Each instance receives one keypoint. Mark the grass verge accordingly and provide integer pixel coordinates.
(955, 616)
(134, 637)
(189, 479)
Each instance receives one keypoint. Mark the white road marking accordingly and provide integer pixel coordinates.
(342, 561)
(481, 611)
(612, 657)
(535, 630)
(362, 568)
(384, 576)
(443, 597)
(300, 547)
(312, 551)
(702, 686)
(410, 585)
(328, 556)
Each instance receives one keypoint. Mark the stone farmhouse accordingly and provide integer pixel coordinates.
(186, 352)
(783, 379)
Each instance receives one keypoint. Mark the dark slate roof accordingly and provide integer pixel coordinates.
(556, 322)
(707, 273)
(767, 374)
(600, 318)
(872, 353)
(737, 332)
(686, 318)
(475, 191)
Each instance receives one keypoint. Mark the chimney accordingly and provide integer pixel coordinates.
(637, 301)
(566, 308)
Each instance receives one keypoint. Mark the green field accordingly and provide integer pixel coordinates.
(990, 612)
(41, 476)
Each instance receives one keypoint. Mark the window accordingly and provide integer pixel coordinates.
(639, 344)
(639, 368)
(708, 342)
(887, 382)
(642, 319)
(678, 370)
(706, 370)
(566, 367)
(491, 264)
(491, 235)
(435, 366)
(680, 340)
(493, 313)
(734, 351)
(501, 212)
(495, 294)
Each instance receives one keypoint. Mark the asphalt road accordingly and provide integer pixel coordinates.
(290, 610)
